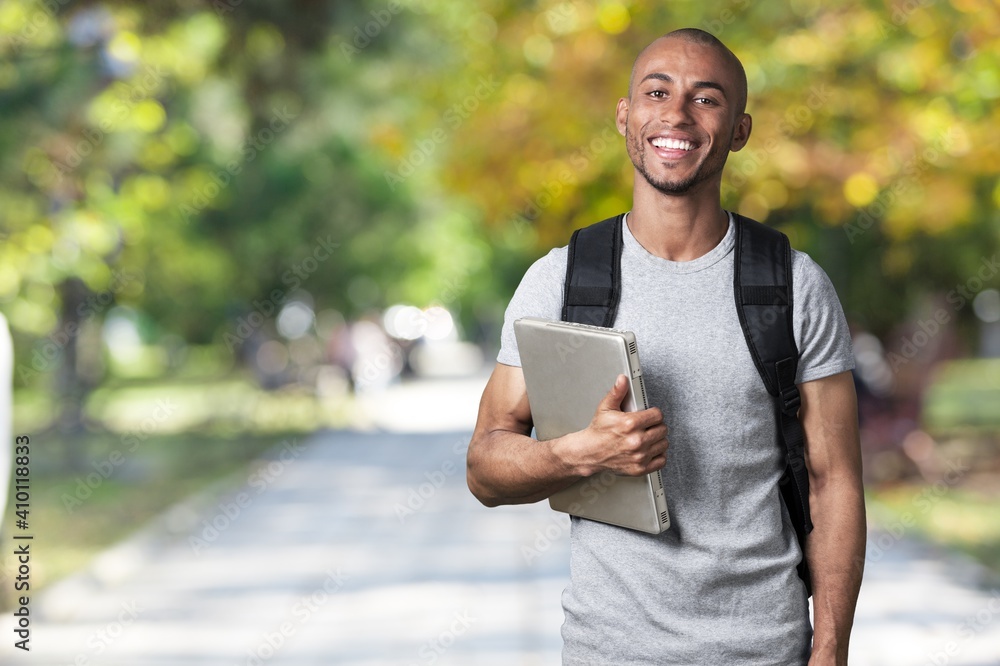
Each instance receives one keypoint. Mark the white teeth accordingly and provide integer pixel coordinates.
(674, 144)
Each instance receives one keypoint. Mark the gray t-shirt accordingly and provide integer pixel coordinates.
(720, 586)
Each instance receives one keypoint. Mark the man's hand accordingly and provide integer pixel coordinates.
(506, 466)
(628, 443)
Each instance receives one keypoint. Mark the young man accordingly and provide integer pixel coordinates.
(720, 586)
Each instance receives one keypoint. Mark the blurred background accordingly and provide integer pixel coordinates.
(227, 226)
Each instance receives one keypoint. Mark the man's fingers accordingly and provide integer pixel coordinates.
(658, 462)
(655, 432)
(651, 417)
(613, 399)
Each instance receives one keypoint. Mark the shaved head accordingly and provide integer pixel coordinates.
(696, 36)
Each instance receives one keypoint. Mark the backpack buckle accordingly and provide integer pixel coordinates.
(790, 400)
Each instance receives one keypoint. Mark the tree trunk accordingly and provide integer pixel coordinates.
(70, 389)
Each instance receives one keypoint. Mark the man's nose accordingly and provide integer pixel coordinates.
(675, 112)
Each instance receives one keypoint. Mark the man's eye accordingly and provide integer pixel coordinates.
(657, 94)
(705, 100)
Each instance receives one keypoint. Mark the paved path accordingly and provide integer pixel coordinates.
(367, 549)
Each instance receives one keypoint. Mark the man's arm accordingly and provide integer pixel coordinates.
(506, 466)
(835, 549)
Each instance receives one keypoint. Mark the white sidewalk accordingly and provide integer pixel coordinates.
(365, 549)
(920, 606)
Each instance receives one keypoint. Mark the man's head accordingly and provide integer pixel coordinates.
(697, 36)
(686, 109)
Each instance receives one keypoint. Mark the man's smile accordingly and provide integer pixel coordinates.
(672, 148)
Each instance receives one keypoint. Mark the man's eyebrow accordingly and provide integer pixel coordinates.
(657, 75)
(660, 76)
(710, 84)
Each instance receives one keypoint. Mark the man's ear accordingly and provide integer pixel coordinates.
(621, 115)
(741, 133)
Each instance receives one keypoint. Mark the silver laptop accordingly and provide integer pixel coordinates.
(568, 368)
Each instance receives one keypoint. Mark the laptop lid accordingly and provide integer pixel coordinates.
(568, 368)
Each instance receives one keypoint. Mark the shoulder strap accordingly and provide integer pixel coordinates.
(763, 291)
(593, 274)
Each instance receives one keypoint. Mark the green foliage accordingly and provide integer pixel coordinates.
(960, 519)
(873, 131)
(196, 161)
(964, 397)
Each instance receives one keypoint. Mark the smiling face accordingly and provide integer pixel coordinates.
(683, 114)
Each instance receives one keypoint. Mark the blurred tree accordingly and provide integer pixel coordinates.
(196, 162)
(204, 161)
(874, 143)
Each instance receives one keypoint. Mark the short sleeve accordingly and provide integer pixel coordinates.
(540, 294)
(821, 331)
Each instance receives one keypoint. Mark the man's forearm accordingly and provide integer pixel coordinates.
(836, 554)
(508, 468)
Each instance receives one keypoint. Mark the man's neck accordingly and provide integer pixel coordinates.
(678, 228)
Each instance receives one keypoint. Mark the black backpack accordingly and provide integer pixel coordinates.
(763, 292)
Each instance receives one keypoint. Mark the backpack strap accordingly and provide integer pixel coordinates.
(763, 291)
(593, 274)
